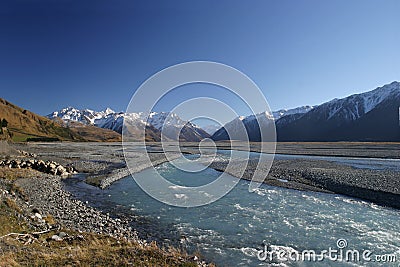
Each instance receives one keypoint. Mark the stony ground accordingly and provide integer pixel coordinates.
(48, 197)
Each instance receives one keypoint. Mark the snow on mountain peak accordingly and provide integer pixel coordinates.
(108, 111)
(284, 112)
(375, 97)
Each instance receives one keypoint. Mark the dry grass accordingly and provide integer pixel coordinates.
(88, 250)
(93, 250)
(49, 219)
(12, 204)
(9, 222)
(14, 174)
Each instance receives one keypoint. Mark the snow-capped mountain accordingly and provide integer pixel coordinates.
(286, 112)
(86, 116)
(369, 116)
(169, 124)
(251, 124)
(173, 127)
(258, 127)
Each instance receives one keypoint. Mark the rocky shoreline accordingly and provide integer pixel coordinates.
(46, 190)
(47, 196)
(103, 163)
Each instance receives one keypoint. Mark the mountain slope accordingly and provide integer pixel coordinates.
(251, 125)
(370, 116)
(85, 116)
(173, 127)
(211, 128)
(92, 133)
(24, 124)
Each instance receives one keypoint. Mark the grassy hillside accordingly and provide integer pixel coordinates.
(94, 134)
(28, 126)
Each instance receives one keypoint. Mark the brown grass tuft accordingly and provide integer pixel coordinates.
(12, 204)
(49, 219)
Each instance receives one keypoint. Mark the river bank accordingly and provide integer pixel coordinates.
(41, 221)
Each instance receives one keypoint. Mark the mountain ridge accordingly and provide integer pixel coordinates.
(353, 118)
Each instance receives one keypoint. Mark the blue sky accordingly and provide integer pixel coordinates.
(94, 54)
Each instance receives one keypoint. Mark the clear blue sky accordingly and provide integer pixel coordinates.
(94, 54)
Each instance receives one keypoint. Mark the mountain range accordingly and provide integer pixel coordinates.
(286, 112)
(370, 116)
(254, 123)
(155, 124)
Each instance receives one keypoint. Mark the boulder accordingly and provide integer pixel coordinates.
(60, 170)
(38, 216)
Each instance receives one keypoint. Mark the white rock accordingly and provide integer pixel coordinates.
(38, 216)
(56, 238)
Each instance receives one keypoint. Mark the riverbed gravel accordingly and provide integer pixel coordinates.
(379, 186)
